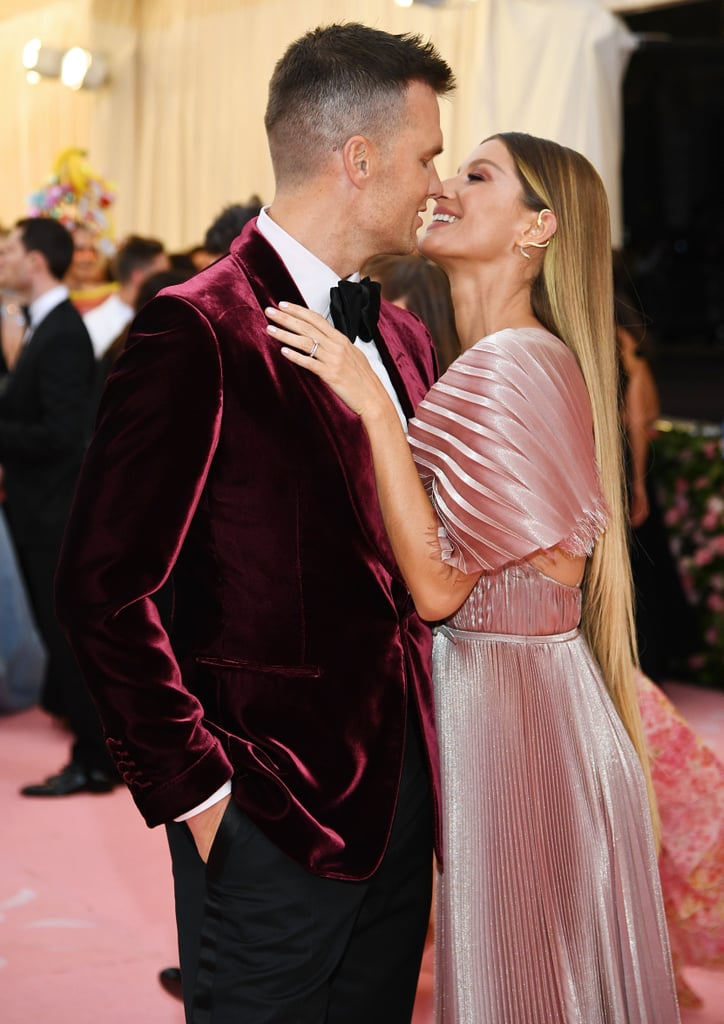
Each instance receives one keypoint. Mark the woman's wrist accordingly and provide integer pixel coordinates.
(378, 412)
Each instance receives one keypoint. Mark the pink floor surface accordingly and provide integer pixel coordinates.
(86, 918)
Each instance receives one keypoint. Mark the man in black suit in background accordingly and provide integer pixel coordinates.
(45, 411)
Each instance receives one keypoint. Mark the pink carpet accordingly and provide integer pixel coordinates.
(86, 917)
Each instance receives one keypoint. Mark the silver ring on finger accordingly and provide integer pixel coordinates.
(313, 349)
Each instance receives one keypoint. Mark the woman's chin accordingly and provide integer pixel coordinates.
(431, 246)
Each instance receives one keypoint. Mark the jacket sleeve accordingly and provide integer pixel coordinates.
(145, 470)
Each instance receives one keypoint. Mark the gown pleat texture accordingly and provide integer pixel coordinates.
(549, 908)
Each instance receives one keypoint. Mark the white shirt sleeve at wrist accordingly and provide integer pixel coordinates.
(213, 799)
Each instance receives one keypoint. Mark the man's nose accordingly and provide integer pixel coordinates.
(435, 185)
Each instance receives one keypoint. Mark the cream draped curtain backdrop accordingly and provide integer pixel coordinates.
(179, 127)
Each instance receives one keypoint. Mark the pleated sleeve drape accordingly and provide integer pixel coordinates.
(504, 446)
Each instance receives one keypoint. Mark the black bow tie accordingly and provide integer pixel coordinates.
(355, 306)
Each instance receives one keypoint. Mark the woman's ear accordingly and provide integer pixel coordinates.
(542, 228)
(547, 223)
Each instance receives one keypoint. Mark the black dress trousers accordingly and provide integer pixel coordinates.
(263, 941)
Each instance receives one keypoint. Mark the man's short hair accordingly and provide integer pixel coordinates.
(53, 241)
(136, 253)
(342, 80)
(223, 229)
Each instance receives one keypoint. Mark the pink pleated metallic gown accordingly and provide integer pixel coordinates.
(549, 907)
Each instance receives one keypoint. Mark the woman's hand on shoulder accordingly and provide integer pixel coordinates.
(311, 342)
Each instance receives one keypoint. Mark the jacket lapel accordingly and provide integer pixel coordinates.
(395, 354)
(271, 283)
(35, 341)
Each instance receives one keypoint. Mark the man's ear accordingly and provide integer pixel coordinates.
(356, 155)
(38, 262)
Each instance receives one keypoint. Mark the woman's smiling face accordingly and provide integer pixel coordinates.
(480, 215)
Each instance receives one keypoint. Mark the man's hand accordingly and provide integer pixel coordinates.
(205, 825)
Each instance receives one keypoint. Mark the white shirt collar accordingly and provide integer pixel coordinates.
(312, 277)
(46, 303)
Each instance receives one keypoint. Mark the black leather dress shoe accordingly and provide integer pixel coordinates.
(170, 978)
(74, 778)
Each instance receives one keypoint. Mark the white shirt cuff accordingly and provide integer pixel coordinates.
(213, 799)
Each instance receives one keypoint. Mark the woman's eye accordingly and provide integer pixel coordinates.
(476, 177)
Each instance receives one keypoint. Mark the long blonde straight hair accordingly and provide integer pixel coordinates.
(572, 296)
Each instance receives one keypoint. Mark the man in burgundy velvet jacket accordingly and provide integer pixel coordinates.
(297, 674)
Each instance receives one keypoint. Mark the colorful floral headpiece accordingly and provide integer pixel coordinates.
(76, 196)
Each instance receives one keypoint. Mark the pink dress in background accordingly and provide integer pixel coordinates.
(549, 907)
(689, 785)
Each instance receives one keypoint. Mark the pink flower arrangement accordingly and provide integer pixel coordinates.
(690, 478)
(672, 516)
(704, 556)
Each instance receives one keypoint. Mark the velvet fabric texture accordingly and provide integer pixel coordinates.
(295, 648)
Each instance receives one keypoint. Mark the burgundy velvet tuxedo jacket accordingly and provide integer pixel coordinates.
(295, 648)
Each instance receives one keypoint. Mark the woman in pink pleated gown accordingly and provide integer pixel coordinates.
(509, 527)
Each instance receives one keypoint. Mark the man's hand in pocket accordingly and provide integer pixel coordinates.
(205, 825)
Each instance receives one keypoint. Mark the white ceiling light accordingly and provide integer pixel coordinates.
(76, 63)
(41, 61)
(82, 69)
(77, 68)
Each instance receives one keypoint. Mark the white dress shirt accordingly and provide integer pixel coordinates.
(106, 321)
(40, 307)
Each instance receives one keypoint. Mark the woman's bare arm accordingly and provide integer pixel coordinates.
(411, 522)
